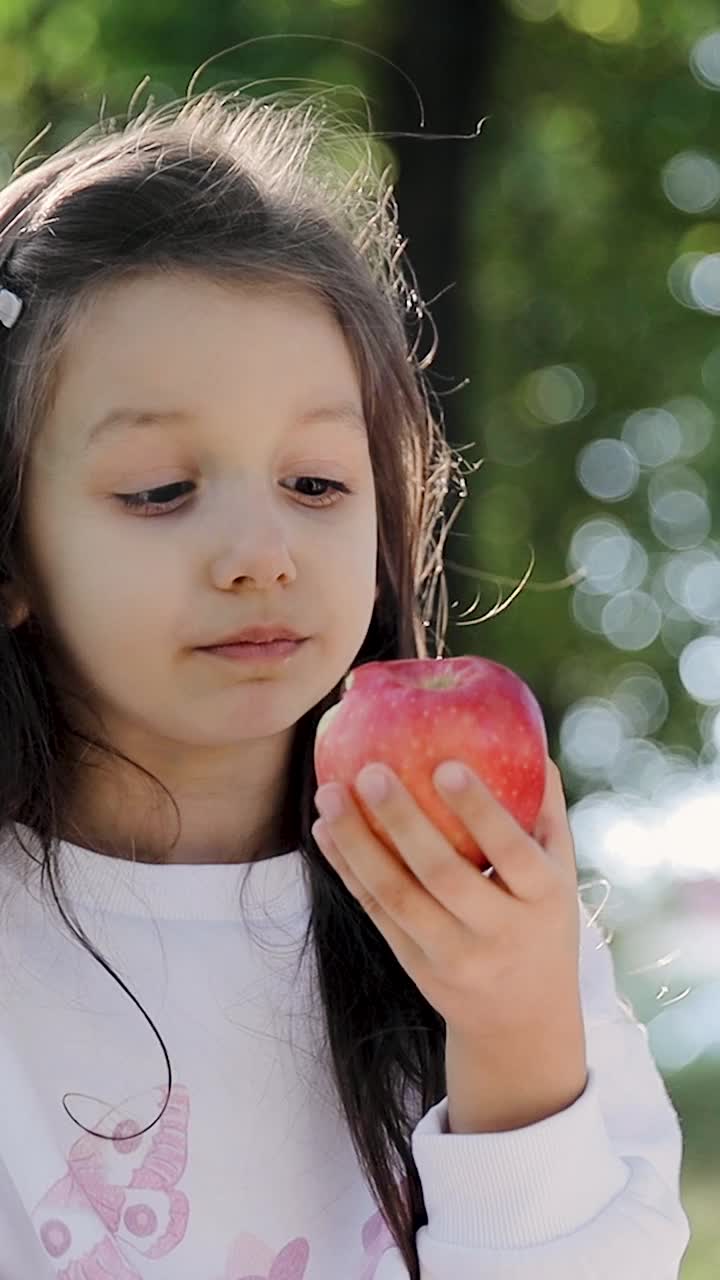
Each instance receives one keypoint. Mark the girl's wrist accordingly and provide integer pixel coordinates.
(497, 1089)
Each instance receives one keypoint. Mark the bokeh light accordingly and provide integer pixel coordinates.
(534, 10)
(691, 182)
(611, 20)
(558, 394)
(654, 435)
(704, 283)
(699, 669)
(678, 507)
(705, 60)
(608, 469)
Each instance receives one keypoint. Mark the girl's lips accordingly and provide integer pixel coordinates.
(273, 651)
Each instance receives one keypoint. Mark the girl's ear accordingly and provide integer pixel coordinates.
(16, 609)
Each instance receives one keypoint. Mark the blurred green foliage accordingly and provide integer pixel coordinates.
(569, 321)
(570, 241)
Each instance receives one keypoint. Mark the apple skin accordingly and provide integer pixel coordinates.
(413, 713)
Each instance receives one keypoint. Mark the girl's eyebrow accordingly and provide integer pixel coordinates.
(345, 413)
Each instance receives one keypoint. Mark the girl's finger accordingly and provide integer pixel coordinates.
(552, 829)
(410, 954)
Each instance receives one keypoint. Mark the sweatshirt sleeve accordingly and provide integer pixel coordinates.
(589, 1193)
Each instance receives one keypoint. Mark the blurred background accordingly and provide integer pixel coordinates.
(568, 252)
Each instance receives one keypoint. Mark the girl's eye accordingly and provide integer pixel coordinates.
(148, 499)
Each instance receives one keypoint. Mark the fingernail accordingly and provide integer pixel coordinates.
(329, 801)
(372, 784)
(451, 775)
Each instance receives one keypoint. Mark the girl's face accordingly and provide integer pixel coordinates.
(241, 540)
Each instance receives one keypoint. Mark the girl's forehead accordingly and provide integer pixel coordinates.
(146, 342)
(127, 322)
(153, 289)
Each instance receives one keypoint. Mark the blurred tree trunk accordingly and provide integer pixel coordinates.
(449, 51)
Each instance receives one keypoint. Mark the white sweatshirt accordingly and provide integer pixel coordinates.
(251, 1174)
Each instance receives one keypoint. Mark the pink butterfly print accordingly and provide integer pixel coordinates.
(118, 1199)
(377, 1237)
(251, 1259)
(376, 1240)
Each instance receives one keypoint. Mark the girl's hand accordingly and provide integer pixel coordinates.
(496, 955)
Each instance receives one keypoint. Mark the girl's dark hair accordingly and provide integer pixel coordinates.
(272, 192)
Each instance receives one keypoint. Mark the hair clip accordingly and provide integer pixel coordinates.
(10, 307)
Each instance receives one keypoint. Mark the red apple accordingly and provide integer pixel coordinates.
(413, 713)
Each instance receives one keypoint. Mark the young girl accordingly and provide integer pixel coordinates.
(241, 1044)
